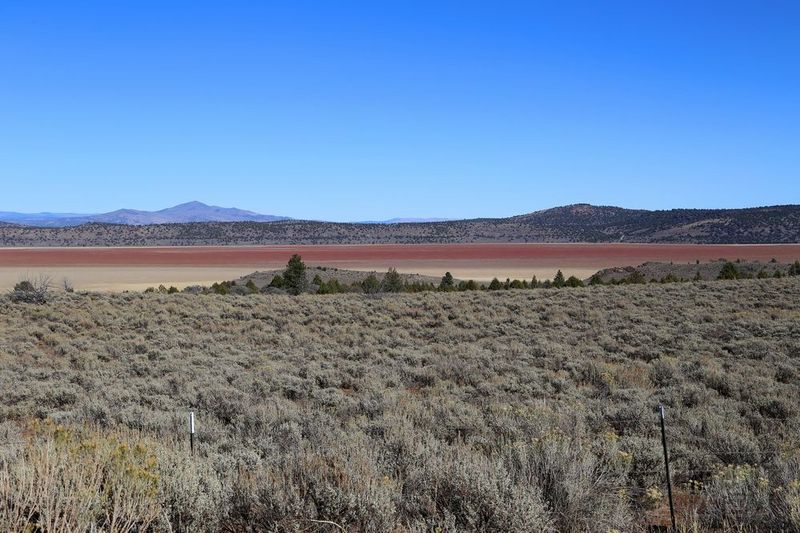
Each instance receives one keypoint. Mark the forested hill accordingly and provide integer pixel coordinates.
(573, 223)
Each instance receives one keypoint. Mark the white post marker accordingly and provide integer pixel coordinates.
(191, 431)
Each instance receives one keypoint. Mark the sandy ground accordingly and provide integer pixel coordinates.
(122, 278)
(139, 278)
(117, 269)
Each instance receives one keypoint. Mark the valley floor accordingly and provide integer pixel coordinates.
(135, 268)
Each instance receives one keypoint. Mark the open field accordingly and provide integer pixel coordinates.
(135, 268)
(487, 411)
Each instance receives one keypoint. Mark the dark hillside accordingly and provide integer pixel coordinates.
(575, 223)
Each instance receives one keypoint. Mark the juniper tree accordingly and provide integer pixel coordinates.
(370, 285)
(572, 281)
(294, 277)
(251, 286)
(729, 271)
(392, 281)
(447, 283)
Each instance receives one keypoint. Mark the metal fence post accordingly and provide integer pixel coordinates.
(666, 467)
(191, 431)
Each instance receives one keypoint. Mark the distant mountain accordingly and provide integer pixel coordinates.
(39, 219)
(183, 213)
(572, 223)
(188, 212)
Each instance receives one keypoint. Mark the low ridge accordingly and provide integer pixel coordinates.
(573, 223)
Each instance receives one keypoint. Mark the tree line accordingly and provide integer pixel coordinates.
(294, 280)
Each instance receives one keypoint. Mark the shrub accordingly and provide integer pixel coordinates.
(34, 291)
(331, 287)
(67, 284)
(64, 480)
(516, 284)
(737, 495)
(634, 277)
(582, 486)
(469, 285)
(596, 279)
(729, 271)
(460, 411)
(370, 284)
(221, 288)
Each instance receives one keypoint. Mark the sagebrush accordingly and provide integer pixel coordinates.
(462, 411)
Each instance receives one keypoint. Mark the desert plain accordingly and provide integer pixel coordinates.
(135, 268)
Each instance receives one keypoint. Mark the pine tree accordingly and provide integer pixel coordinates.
(495, 285)
(558, 281)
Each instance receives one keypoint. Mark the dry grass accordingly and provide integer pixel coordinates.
(507, 411)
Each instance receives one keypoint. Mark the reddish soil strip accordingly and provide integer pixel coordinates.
(561, 255)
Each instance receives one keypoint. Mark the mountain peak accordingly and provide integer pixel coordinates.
(193, 211)
(193, 203)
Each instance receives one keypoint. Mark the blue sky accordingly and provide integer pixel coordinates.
(369, 110)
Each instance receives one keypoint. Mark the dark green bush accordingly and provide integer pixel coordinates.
(294, 277)
(729, 271)
(392, 282)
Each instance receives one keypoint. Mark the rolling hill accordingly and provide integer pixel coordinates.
(573, 223)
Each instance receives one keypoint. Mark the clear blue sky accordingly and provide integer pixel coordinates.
(368, 110)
